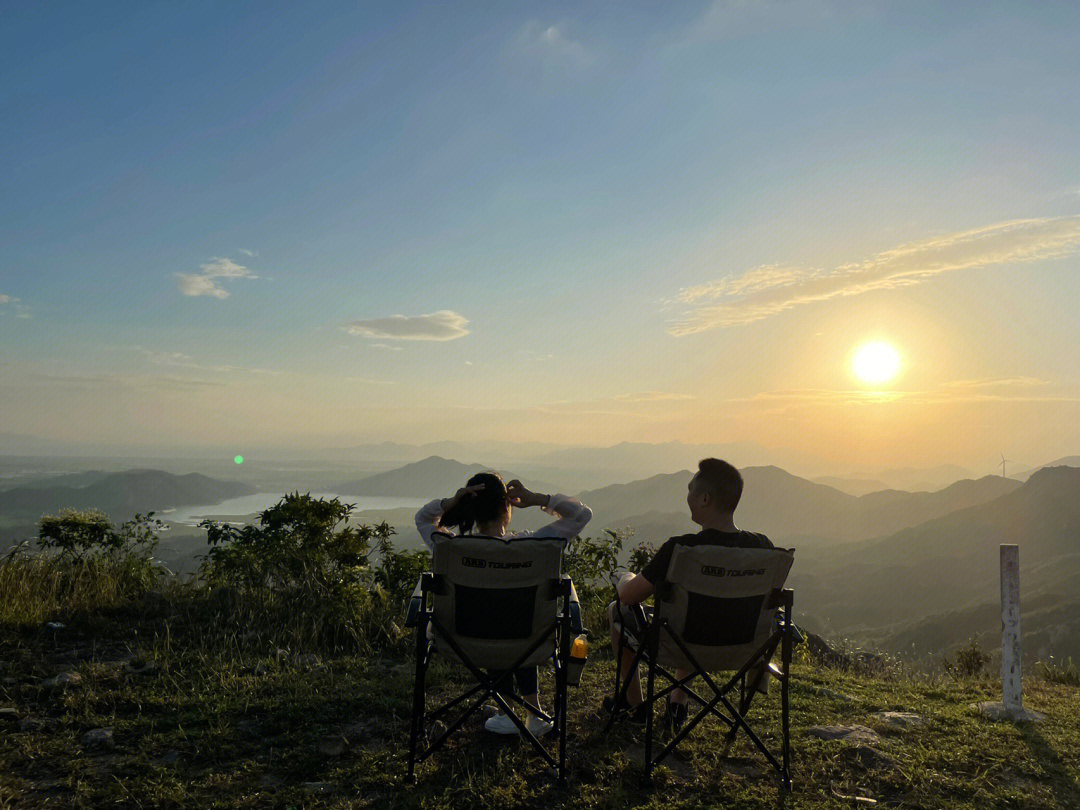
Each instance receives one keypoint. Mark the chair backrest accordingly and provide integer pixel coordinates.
(720, 602)
(496, 598)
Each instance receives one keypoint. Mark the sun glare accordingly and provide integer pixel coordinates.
(876, 362)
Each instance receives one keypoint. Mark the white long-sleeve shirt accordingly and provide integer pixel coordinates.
(572, 516)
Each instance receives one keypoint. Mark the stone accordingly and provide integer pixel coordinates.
(9, 715)
(99, 739)
(355, 732)
(32, 724)
(867, 757)
(852, 734)
(170, 759)
(62, 680)
(320, 788)
(832, 694)
(997, 711)
(333, 745)
(902, 720)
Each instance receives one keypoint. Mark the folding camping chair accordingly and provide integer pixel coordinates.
(717, 611)
(493, 607)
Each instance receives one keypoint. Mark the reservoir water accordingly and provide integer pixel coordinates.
(249, 504)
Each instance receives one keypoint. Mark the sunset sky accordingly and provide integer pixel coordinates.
(337, 223)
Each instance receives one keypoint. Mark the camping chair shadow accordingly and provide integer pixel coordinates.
(493, 607)
(720, 609)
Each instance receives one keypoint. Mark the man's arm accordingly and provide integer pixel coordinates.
(635, 589)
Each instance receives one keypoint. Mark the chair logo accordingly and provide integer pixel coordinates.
(476, 562)
(717, 571)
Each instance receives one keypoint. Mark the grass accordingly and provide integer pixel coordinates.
(208, 715)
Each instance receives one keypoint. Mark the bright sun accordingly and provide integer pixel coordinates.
(876, 362)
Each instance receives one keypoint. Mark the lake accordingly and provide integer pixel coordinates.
(249, 504)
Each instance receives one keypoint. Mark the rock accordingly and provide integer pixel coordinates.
(143, 667)
(310, 660)
(170, 759)
(9, 715)
(55, 625)
(99, 739)
(32, 724)
(832, 694)
(903, 720)
(355, 732)
(852, 734)
(997, 711)
(333, 745)
(320, 788)
(867, 757)
(10, 681)
(63, 680)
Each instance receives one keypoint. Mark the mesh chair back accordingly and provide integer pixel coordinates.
(718, 600)
(496, 598)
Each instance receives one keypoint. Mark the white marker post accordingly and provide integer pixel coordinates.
(1012, 688)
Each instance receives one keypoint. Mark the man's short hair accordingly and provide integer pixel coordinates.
(721, 481)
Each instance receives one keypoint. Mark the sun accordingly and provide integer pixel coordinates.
(876, 362)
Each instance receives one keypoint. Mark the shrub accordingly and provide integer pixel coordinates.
(969, 660)
(304, 576)
(592, 562)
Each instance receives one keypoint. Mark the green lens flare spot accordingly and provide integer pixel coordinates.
(239, 459)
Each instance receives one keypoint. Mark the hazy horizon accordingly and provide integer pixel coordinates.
(846, 235)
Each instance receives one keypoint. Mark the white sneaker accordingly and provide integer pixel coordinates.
(500, 724)
(538, 727)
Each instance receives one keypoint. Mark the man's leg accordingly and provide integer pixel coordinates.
(633, 692)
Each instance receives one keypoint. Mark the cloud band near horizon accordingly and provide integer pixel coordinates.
(771, 289)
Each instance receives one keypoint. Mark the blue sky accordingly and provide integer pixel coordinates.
(229, 221)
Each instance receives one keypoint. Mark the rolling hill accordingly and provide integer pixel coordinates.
(947, 569)
(120, 495)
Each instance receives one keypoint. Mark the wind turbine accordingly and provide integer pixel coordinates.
(1004, 461)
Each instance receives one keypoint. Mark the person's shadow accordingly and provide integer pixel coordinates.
(1062, 782)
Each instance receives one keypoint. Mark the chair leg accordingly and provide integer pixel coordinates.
(785, 656)
(650, 689)
(419, 702)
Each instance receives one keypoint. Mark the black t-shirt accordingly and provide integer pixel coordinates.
(657, 568)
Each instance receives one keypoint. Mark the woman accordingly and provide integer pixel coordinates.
(483, 508)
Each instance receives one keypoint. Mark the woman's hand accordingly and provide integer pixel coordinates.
(464, 492)
(521, 497)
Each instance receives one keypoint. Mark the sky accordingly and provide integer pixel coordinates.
(339, 223)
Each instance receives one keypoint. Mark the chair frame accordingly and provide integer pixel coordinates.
(559, 631)
(647, 652)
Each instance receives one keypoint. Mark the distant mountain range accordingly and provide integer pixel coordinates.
(433, 477)
(931, 583)
(789, 508)
(120, 495)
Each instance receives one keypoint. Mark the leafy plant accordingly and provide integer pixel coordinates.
(589, 561)
(969, 660)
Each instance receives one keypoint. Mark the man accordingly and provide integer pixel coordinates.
(712, 495)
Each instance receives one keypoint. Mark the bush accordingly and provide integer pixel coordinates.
(592, 562)
(969, 660)
(304, 576)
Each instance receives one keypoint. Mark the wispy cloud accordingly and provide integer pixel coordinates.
(551, 47)
(442, 325)
(247, 252)
(206, 282)
(369, 381)
(111, 381)
(21, 310)
(181, 360)
(772, 289)
(386, 346)
(651, 396)
(993, 389)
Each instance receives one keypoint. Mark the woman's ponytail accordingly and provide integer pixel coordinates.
(480, 507)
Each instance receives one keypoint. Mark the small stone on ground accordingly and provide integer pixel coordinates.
(901, 719)
(98, 738)
(333, 745)
(997, 711)
(62, 680)
(852, 734)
